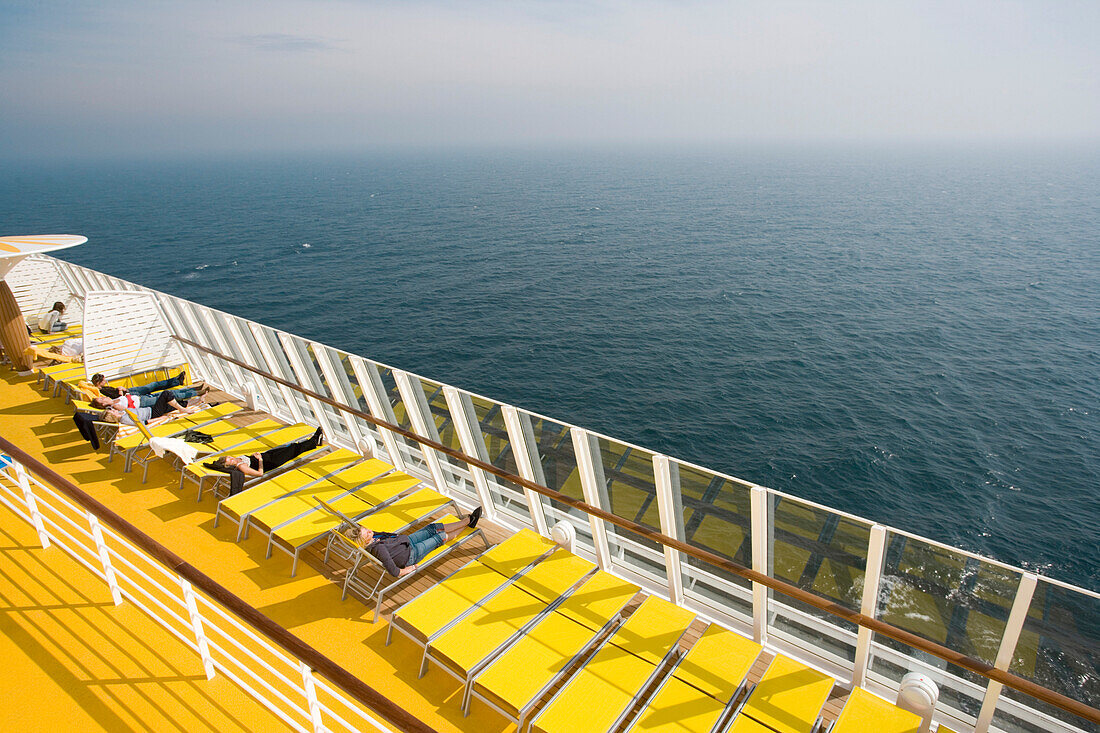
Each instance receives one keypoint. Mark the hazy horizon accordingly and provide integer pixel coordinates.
(103, 79)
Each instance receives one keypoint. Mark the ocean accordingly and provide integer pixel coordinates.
(912, 336)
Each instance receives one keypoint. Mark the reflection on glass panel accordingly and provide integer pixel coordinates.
(826, 554)
(946, 597)
(458, 471)
(717, 518)
(890, 663)
(1059, 648)
(558, 461)
(348, 372)
(409, 449)
(631, 493)
(490, 421)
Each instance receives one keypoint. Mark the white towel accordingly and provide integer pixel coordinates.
(187, 452)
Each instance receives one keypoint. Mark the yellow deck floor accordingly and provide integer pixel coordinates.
(82, 664)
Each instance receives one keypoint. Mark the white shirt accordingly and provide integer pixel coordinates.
(72, 347)
(45, 323)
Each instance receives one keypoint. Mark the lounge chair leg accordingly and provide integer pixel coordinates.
(145, 472)
(268, 555)
(293, 565)
(217, 516)
(389, 633)
(423, 664)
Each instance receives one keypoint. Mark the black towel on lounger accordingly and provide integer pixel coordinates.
(85, 423)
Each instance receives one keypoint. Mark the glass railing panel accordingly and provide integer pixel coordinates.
(410, 450)
(507, 497)
(717, 518)
(948, 597)
(558, 461)
(824, 553)
(457, 471)
(1059, 648)
(632, 494)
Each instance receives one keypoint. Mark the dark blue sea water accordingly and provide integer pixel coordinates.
(912, 336)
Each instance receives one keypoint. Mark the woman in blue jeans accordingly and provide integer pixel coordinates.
(399, 553)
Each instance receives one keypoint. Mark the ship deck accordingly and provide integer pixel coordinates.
(147, 684)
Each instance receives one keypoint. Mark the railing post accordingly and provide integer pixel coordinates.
(590, 485)
(520, 451)
(311, 698)
(32, 506)
(473, 445)
(196, 627)
(1011, 636)
(671, 525)
(872, 577)
(105, 558)
(758, 505)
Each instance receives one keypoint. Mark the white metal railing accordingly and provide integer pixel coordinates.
(282, 683)
(391, 394)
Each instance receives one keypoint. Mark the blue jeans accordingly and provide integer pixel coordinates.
(156, 386)
(423, 541)
(179, 395)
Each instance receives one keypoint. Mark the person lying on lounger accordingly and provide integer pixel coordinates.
(131, 400)
(259, 463)
(100, 382)
(162, 404)
(399, 553)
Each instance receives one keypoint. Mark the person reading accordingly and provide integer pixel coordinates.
(51, 321)
(399, 553)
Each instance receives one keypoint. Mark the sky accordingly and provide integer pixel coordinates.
(109, 77)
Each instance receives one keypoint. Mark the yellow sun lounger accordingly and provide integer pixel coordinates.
(788, 699)
(699, 694)
(867, 713)
(208, 420)
(308, 527)
(601, 694)
(271, 489)
(71, 331)
(255, 438)
(466, 646)
(515, 680)
(435, 608)
(390, 518)
(57, 373)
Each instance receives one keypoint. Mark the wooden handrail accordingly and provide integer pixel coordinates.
(970, 664)
(355, 687)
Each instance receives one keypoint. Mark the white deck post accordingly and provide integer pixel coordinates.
(1011, 636)
(196, 627)
(472, 445)
(590, 485)
(311, 697)
(671, 525)
(758, 503)
(415, 407)
(32, 505)
(375, 394)
(872, 577)
(518, 438)
(105, 558)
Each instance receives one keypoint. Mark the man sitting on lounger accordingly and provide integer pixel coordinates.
(400, 553)
(100, 382)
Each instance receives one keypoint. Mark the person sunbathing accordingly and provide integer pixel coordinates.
(99, 381)
(116, 410)
(399, 553)
(257, 464)
(130, 400)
